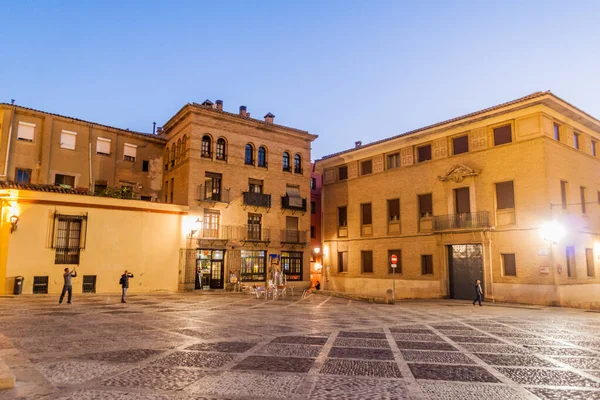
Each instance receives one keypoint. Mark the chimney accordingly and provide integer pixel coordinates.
(243, 111)
(220, 105)
(269, 118)
(160, 130)
(357, 144)
(12, 101)
(154, 128)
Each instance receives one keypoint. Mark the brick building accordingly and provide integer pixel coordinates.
(509, 195)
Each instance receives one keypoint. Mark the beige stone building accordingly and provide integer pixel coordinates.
(246, 182)
(509, 195)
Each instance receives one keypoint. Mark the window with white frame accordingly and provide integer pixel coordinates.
(129, 152)
(68, 140)
(25, 131)
(103, 146)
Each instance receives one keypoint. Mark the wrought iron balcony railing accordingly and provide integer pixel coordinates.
(208, 193)
(293, 203)
(293, 236)
(222, 232)
(255, 233)
(257, 199)
(479, 219)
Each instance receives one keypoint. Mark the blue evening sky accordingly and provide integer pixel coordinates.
(345, 70)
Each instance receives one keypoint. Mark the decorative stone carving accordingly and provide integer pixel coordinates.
(440, 148)
(478, 139)
(458, 173)
(352, 170)
(406, 156)
(378, 163)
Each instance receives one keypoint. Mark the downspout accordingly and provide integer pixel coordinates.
(10, 129)
(92, 187)
(491, 268)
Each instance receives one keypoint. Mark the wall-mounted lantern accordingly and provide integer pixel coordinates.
(14, 220)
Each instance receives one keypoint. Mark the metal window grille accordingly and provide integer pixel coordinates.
(69, 237)
(291, 263)
(40, 285)
(89, 284)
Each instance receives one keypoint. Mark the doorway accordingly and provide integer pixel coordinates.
(210, 269)
(465, 263)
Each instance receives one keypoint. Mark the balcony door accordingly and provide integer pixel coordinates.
(254, 226)
(462, 201)
(211, 224)
(291, 229)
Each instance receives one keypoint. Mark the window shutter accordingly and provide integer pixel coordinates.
(505, 195)
(103, 146)
(425, 204)
(367, 218)
(68, 139)
(130, 150)
(293, 193)
(25, 131)
(502, 135)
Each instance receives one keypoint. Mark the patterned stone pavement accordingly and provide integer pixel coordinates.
(227, 346)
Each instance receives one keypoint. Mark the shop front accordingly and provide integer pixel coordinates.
(253, 266)
(210, 269)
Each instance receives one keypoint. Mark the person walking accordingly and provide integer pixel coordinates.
(478, 292)
(125, 284)
(67, 285)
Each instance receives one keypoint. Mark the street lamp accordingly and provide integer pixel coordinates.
(196, 227)
(553, 232)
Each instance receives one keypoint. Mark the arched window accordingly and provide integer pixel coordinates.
(178, 150)
(297, 164)
(249, 156)
(173, 155)
(221, 153)
(262, 156)
(167, 159)
(183, 147)
(286, 162)
(206, 146)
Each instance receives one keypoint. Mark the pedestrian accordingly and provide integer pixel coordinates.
(124, 282)
(318, 285)
(67, 285)
(478, 292)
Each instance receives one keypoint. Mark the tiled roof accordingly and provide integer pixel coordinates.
(144, 135)
(43, 188)
(438, 124)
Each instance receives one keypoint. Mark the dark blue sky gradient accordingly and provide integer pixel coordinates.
(345, 70)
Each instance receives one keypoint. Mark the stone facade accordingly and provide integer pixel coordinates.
(472, 211)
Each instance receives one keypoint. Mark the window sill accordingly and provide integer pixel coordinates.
(66, 148)
(103, 154)
(25, 140)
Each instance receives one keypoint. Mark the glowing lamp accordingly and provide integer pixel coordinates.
(553, 231)
(14, 220)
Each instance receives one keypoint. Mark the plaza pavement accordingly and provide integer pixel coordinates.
(230, 346)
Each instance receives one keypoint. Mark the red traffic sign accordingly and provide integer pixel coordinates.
(394, 259)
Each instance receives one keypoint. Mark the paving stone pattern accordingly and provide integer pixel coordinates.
(209, 346)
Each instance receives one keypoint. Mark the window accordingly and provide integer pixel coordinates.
(342, 261)
(68, 140)
(183, 147)
(103, 147)
(69, 238)
(462, 200)
(145, 166)
(166, 191)
(557, 132)
(89, 284)
(178, 154)
(313, 207)
(249, 155)
(398, 269)
(313, 232)
(130, 150)
(25, 131)
(212, 186)
(393, 207)
(509, 264)
(255, 185)
(313, 183)
(262, 157)
(210, 226)
(576, 140)
(460, 144)
(594, 148)
(425, 205)
(23, 175)
(582, 194)
(172, 188)
(342, 216)
(589, 257)
(505, 195)
(343, 173)
(426, 264)
(297, 164)
(173, 155)
(167, 158)
(40, 285)
(393, 161)
(254, 226)
(146, 198)
(64, 180)
(286, 162)
(563, 194)
(570, 261)
(291, 264)
(366, 167)
(502, 135)
(366, 261)
(205, 151)
(366, 214)
(424, 153)
(221, 153)
(253, 266)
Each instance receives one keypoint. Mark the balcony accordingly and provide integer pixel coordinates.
(257, 199)
(208, 194)
(293, 237)
(215, 234)
(477, 220)
(254, 234)
(293, 203)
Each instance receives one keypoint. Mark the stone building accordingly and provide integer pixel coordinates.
(316, 261)
(509, 195)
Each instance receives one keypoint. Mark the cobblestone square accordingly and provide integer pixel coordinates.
(229, 346)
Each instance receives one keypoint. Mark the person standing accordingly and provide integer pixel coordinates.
(67, 285)
(125, 284)
(478, 292)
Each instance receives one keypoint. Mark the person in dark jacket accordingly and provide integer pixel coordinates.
(67, 286)
(125, 284)
(478, 292)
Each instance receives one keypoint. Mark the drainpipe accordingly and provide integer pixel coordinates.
(90, 160)
(491, 288)
(10, 129)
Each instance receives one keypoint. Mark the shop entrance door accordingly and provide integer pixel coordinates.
(210, 269)
(216, 275)
(465, 262)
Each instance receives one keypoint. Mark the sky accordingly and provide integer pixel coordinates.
(344, 70)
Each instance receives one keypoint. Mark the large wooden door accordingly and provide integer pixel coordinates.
(466, 266)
